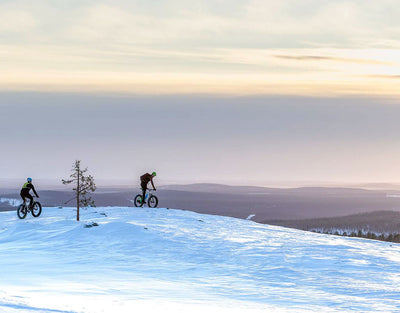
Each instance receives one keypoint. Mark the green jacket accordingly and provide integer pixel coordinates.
(27, 187)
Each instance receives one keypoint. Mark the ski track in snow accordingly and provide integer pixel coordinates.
(146, 259)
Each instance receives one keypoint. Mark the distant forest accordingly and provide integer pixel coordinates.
(391, 237)
(378, 225)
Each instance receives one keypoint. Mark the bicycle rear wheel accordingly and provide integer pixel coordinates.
(37, 209)
(153, 201)
(138, 201)
(21, 212)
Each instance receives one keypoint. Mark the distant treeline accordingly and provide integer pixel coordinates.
(379, 225)
(395, 237)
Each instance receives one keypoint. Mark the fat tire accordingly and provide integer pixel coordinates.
(152, 202)
(138, 201)
(37, 209)
(21, 211)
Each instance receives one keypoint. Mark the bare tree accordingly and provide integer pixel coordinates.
(83, 186)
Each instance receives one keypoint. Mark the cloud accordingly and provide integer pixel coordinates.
(16, 21)
(255, 46)
(175, 23)
(385, 76)
(115, 25)
(303, 57)
(329, 58)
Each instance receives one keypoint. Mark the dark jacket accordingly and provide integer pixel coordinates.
(145, 179)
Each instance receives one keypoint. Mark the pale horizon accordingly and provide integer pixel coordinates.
(134, 183)
(199, 138)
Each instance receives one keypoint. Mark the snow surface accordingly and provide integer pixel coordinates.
(160, 260)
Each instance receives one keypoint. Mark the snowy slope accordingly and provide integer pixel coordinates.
(160, 260)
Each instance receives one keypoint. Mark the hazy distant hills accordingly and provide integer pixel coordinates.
(217, 188)
(263, 204)
(381, 186)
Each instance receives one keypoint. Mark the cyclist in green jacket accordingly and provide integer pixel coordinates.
(25, 191)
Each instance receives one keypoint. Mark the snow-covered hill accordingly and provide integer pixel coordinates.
(160, 260)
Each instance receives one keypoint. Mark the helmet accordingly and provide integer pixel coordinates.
(154, 174)
(29, 179)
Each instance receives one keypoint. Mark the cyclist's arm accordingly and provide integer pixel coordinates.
(33, 188)
(152, 184)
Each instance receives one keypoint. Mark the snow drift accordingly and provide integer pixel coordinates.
(141, 259)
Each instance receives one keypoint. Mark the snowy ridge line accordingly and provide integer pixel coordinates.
(141, 259)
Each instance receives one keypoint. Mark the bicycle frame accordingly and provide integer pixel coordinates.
(26, 200)
(148, 194)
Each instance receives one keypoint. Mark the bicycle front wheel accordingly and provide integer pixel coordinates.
(138, 201)
(21, 212)
(153, 202)
(37, 209)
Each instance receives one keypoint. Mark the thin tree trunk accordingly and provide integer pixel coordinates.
(77, 197)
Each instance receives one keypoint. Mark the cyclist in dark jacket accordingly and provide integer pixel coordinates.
(25, 191)
(144, 180)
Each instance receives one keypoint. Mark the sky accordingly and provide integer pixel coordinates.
(241, 92)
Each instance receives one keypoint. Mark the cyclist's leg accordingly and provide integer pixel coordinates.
(144, 187)
(29, 196)
(144, 195)
(23, 198)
